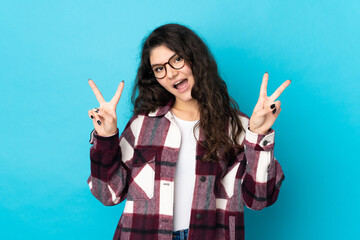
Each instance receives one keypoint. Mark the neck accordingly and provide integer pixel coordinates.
(188, 111)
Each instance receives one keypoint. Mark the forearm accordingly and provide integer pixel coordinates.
(107, 181)
(263, 175)
(105, 156)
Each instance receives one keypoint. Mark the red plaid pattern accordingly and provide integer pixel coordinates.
(140, 167)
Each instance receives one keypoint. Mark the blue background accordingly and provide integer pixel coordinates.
(49, 49)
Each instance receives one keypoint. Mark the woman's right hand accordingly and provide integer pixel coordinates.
(104, 117)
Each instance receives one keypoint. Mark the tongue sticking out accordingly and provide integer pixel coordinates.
(181, 86)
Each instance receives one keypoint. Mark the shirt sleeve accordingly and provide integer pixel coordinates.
(108, 181)
(263, 175)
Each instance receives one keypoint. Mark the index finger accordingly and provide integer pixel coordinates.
(280, 89)
(96, 91)
(117, 95)
(263, 88)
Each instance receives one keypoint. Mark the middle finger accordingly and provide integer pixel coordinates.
(280, 89)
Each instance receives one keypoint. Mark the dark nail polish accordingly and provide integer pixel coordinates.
(98, 121)
(91, 116)
(96, 110)
(272, 106)
(274, 111)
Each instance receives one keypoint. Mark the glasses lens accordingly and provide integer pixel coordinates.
(177, 62)
(159, 71)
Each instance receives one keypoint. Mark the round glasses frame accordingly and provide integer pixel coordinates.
(168, 62)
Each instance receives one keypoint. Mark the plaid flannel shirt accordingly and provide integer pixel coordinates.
(140, 167)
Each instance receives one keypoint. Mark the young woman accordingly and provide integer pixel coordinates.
(188, 159)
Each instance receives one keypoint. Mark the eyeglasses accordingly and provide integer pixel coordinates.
(176, 62)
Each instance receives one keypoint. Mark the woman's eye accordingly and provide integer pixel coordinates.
(178, 59)
(158, 69)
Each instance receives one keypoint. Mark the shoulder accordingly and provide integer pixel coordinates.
(234, 128)
(135, 122)
(140, 120)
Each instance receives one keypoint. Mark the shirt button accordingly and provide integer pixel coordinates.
(265, 142)
(203, 178)
(198, 216)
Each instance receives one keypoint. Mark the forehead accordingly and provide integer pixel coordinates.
(160, 54)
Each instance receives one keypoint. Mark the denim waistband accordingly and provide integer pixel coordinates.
(181, 234)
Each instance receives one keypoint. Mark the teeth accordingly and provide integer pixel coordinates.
(178, 82)
(175, 85)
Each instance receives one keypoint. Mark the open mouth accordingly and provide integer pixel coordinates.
(181, 85)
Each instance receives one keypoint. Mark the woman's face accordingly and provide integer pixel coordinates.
(178, 82)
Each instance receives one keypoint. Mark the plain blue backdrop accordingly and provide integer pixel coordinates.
(49, 49)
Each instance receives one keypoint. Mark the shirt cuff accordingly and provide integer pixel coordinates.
(104, 143)
(262, 142)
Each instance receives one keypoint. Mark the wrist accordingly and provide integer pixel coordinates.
(105, 135)
(257, 131)
(113, 133)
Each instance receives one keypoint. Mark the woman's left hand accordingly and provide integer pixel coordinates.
(266, 109)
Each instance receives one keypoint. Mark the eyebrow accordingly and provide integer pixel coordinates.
(152, 65)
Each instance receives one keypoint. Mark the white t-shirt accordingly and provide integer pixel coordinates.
(184, 175)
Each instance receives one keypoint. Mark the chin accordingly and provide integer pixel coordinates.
(185, 98)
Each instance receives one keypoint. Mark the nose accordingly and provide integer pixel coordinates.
(170, 72)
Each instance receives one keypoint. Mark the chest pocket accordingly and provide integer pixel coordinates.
(229, 182)
(142, 182)
(230, 185)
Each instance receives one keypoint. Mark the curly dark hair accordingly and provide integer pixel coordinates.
(217, 108)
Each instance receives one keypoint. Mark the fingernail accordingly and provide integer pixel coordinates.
(266, 72)
(96, 110)
(91, 116)
(89, 79)
(123, 81)
(272, 106)
(274, 111)
(98, 121)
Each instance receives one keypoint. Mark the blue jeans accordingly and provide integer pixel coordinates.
(181, 234)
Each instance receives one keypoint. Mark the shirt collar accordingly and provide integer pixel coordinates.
(162, 110)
